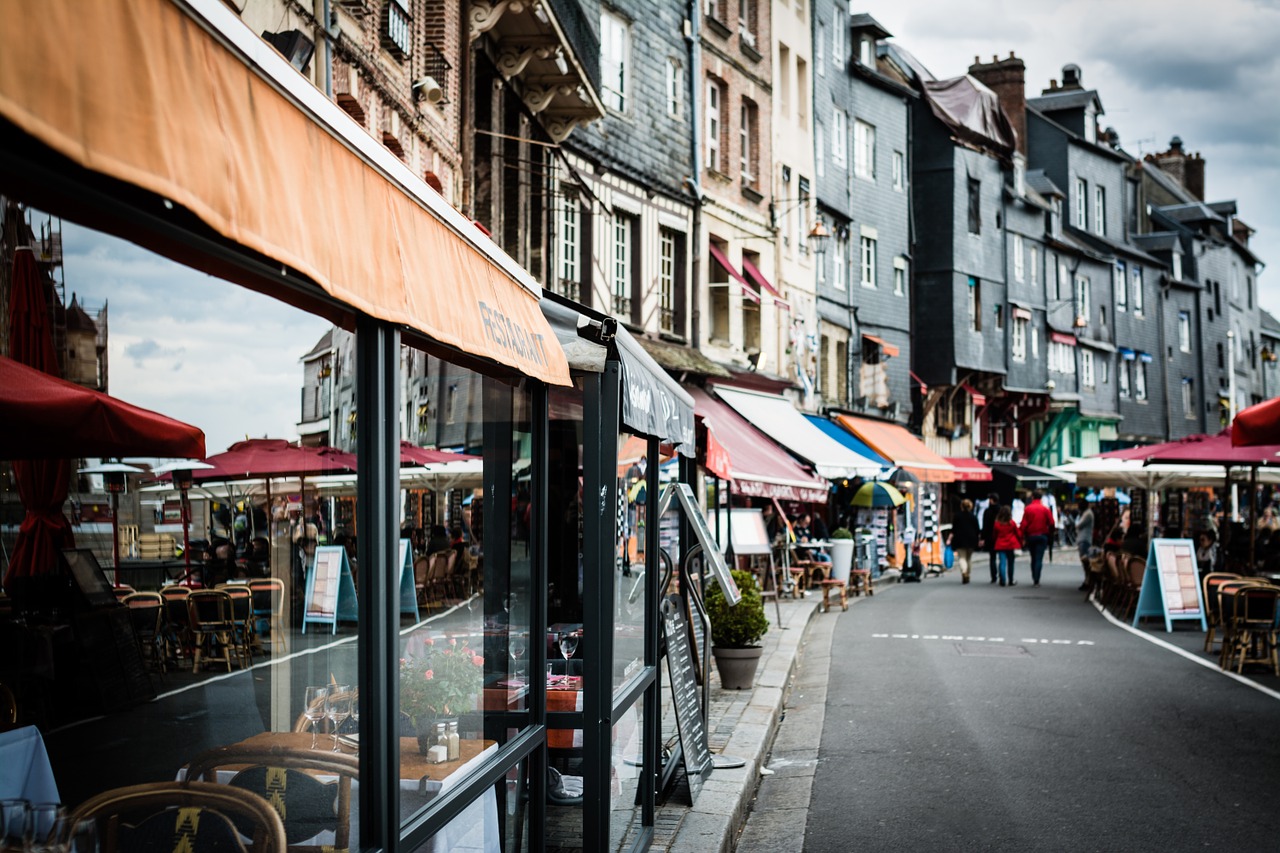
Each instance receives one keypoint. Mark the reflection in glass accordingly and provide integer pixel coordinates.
(624, 779)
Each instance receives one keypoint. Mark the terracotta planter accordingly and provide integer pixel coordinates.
(737, 667)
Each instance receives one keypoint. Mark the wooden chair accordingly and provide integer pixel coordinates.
(242, 617)
(212, 627)
(302, 786)
(1227, 610)
(421, 576)
(268, 608)
(122, 591)
(191, 816)
(1212, 605)
(834, 586)
(146, 612)
(1252, 632)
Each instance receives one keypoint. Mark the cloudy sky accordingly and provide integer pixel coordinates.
(190, 346)
(1208, 72)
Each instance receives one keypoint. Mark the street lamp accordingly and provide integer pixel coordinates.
(819, 235)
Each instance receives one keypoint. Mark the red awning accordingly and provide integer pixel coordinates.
(714, 455)
(969, 470)
(753, 273)
(886, 347)
(1062, 338)
(978, 398)
(748, 292)
(760, 468)
(412, 454)
(1217, 450)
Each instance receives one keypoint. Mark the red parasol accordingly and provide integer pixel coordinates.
(42, 484)
(1216, 450)
(1146, 451)
(412, 454)
(1258, 424)
(44, 417)
(264, 458)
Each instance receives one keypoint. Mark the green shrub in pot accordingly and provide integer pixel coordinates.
(741, 626)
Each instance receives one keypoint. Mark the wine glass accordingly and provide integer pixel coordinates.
(14, 823)
(337, 707)
(568, 645)
(517, 647)
(82, 837)
(313, 708)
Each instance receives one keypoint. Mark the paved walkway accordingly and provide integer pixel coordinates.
(743, 723)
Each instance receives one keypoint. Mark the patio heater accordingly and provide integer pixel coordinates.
(113, 478)
(183, 480)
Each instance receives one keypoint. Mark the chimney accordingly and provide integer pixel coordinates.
(1007, 78)
(1071, 78)
(1194, 177)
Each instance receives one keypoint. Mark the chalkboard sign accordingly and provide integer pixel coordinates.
(88, 578)
(331, 591)
(1171, 584)
(711, 551)
(685, 694)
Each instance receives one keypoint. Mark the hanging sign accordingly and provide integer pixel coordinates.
(1171, 584)
(331, 591)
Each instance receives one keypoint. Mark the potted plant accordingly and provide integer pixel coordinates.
(735, 631)
(439, 684)
(841, 553)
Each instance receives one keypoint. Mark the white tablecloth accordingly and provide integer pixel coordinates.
(25, 772)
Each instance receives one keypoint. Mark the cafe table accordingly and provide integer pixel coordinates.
(25, 772)
(476, 828)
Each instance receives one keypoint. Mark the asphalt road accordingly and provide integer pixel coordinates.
(1019, 719)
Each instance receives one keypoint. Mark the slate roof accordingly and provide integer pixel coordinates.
(1069, 99)
(1040, 182)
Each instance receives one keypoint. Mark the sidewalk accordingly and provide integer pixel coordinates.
(742, 723)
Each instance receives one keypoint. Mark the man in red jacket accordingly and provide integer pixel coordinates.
(1037, 526)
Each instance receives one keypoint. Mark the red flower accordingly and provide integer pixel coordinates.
(478, 660)
(429, 674)
(429, 641)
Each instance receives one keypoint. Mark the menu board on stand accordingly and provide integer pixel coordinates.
(331, 591)
(1171, 584)
(685, 696)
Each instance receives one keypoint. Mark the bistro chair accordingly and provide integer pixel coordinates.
(1212, 606)
(268, 608)
(177, 622)
(242, 616)
(212, 627)
(302, 786)
(421, 575)
(122, 591)
(1253, 627)
(199, 817)
(1227, 611)
(146, 612)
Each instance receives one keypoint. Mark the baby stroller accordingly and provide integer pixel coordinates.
(913, 570)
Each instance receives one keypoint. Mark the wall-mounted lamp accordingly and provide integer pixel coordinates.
(819, 235)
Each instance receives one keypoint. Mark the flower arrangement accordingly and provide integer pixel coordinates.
(441, 683)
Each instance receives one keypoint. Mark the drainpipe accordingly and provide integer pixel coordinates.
(693, 38)
(328, 50)
(466, 146)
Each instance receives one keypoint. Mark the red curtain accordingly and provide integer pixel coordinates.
(42, 484)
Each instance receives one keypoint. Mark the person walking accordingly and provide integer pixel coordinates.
(1084, 537)
(965, 534)
(1037, 526)
(988, 526)
(1008, 539)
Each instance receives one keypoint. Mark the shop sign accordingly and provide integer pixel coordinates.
(996, 454)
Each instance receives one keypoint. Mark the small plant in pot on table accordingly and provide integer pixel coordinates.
(736, 631)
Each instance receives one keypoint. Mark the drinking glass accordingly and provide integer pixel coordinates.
(82, 837)
(14, 823)
(45, 826)
(313, 708)
(517, 647)
(337, 707)
(568, 644)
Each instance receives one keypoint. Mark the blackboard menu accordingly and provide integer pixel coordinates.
(684, 692)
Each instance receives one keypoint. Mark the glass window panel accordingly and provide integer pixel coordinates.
(464, 677)
(224, 359)
(624, 779)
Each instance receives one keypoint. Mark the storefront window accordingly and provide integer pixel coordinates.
(632, 563)
(465, 675)
(238, 616)
(624, 779)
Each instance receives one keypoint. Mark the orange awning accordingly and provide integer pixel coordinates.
(888, 348)
(901, 447)
(143, 92)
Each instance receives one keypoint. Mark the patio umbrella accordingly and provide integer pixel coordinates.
(412, 454)
(876, 493)
(1258, 424)
(44, 417)
(42, 483)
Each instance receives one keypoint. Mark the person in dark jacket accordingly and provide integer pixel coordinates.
(988, 540)
(965, 535)
(1008, 539)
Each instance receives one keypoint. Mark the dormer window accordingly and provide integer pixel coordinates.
(1019, 175)
(867, 51)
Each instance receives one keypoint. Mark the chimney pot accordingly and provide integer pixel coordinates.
(1012, 55)
(1053, 84)
(994, 58)
(977, 60)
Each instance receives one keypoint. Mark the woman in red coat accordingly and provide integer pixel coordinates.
(1008, 541)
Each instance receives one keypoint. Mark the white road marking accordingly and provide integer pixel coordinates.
(953, 638)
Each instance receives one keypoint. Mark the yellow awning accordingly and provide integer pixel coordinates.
(142, 92)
